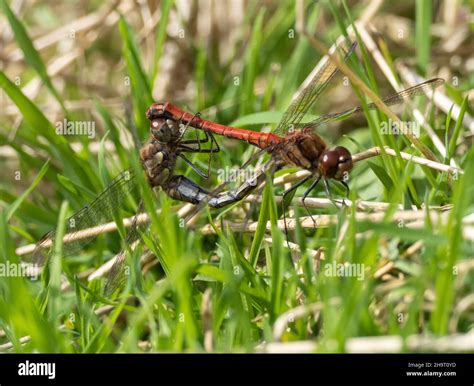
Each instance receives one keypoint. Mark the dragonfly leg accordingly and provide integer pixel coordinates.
(189, 149)
(188, 124)
(305, 195)
(285, 193)
(194, 141)
(194, 167)
(328, 192)
(217, 149)
(347, 190)
(184, 146)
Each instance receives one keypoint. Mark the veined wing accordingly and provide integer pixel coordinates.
(419, 89)
(116, 276)
(78, 227)
(300, 106)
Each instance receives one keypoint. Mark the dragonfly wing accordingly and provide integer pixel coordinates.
(79, 226)
(300, 106)
(310, 126)
(419, 89)
(116, 277)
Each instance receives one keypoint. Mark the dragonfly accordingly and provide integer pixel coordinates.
(158, 157)
(293, 143)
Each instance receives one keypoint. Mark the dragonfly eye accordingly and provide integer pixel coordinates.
(344, 163)
(155, 111)
(336, 163)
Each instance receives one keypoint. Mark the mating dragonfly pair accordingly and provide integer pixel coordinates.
(291, 143)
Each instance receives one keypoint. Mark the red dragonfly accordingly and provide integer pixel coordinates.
(293, 142)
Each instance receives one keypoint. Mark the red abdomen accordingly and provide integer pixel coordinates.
(261, 140)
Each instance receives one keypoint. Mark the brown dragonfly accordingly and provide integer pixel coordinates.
(293, 143)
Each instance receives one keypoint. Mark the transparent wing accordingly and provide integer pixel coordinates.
(116, 276)
(420, 89)
(78, 226)
(300, 106)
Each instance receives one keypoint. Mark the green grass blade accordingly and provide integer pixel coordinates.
(141, 90)
(457, 128)
(30, 53)
(261, 228)
(247, 97)
(15, 205)
(55, 267)
(41, 126)
(30, 112)
(160, 37)
(423, 33)
(448, 252)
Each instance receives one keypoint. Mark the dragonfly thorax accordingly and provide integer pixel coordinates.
(302, 150)
(159, 161)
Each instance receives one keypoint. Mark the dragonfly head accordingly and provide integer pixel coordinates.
(336, 163)
(161, 128)
(165, 130)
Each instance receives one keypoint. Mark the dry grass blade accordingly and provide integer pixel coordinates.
(456, 343)
(414, 219)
